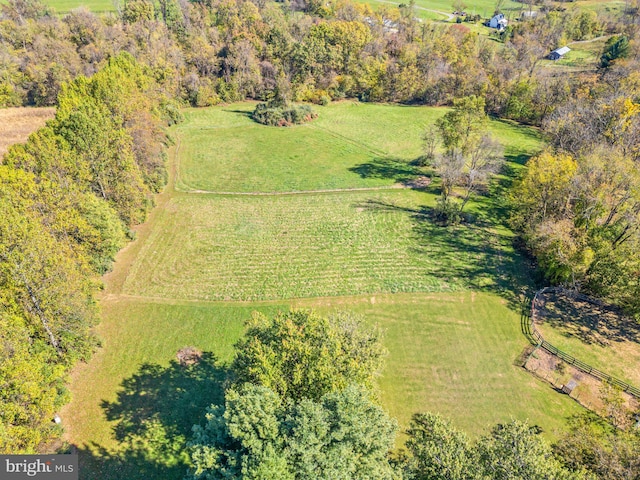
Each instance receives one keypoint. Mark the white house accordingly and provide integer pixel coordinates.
(498, 21)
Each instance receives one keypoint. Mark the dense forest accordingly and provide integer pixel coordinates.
(71, 194)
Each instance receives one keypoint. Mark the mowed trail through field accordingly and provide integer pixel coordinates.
(262, 219)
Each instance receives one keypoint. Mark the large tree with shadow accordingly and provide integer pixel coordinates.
(300, 406)
(153, 414)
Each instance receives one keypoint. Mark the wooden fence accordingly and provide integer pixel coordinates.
(534, 336)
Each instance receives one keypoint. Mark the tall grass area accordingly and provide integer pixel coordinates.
(445, 297)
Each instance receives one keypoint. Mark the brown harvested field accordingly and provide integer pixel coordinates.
(16, 124)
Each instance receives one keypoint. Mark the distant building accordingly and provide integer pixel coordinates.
(498, 21)
(558, 53)
(528, 14)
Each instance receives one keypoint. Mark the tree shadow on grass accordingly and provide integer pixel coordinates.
(154, 412)
(474, 253)
(391, 168)
(591, 322)
(243, 113)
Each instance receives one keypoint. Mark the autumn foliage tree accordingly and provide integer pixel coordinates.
(68, 196)
(300, 406)
(471, 156)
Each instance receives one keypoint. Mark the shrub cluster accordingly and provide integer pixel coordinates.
(283, 115)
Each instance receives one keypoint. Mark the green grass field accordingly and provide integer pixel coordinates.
(203, 262)
(96, 6)
(452, 353)
(600, 337)
(481, 7)
(584, 55)
(293, 246)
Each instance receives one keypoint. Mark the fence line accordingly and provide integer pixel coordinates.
(534, 336)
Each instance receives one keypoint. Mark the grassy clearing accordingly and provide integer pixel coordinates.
(599, 336)
(135, 379)
(261, 248)
(584, 55)
(350, 145)
(453, 353)
(16, 124)
(222, 149)
(481, 7)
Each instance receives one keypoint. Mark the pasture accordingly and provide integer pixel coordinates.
(428, 9)
(95, 6)
(220, 245)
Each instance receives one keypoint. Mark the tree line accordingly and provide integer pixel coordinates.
(577, 207)
(68, 198)
(212, 51)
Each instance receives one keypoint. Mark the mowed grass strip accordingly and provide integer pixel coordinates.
(206, 247)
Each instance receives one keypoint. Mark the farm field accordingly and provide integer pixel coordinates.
(480, 7)
(447, 299)
(451, 352)
(426, 8)
(250, 248)
(225, 151)
(16, 124)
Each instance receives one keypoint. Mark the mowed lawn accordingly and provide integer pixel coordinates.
(265, 247)
(455, 354)
(205, 247)
(350, 145)
(445, 297)
(223, 150)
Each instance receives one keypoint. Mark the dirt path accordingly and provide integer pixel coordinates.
(579, 42)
